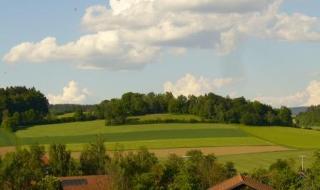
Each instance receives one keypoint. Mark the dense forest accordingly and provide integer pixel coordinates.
(141, 170)
(21, 106)
(309, 118)
(210, 107)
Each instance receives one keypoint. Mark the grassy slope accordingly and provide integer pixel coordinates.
(66, 115)
(291, 137)
(180, 143)
(179, 135)
(134, 136)
(142, 135)
(249, 162)
(151, 117)
(98, 127)
(6, 138)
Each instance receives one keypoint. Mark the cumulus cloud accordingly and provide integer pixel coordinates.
(132, 33)
(102, 49)
(71, 94)
(192, 85)
(307, 97)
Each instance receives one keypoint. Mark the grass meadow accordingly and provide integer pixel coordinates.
(174, 136)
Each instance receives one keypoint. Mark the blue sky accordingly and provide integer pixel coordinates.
(275, 64)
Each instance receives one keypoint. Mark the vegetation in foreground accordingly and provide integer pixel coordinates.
(142, 170)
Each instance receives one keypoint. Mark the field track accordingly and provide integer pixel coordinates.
(218, 151)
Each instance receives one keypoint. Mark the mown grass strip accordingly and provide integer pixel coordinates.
(140, 135)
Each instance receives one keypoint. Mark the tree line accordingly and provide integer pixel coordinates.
(20, 106)
(141, 170)
(60, 109)
(309, 118)
(210, 107)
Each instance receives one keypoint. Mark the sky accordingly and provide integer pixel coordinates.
(82, 51)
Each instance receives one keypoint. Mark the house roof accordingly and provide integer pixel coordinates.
(238, 181)
(97, 182)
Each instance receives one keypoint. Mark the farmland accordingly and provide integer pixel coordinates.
(291, 137)
(248, 147)
(134, 136)
(249, 162)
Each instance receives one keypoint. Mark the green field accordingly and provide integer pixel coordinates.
(290, 137)
(134, 136)
(249, 162)
(65, 115)
(156, 117)
(168, 136)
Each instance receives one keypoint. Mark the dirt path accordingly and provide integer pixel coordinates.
(5, 150)
(218, 151)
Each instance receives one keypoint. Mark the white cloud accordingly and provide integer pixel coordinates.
(307, 97)
(103, 49)
(71, 94)
(313, 90)
(132, 33)
(192, 85)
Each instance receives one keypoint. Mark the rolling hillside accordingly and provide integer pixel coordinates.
(237, 143)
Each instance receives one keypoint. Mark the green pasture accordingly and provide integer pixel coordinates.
(175, 143)
(157, 117)
(286, 136)
(163, 136)
(250, 162)
(66, 115)
(134, 136)
(98, 127)
(7, 138)
(150, 134)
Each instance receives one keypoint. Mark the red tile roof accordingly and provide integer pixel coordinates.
(85, 182)
(238, 181)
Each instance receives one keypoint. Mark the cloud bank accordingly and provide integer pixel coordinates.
(72, 94)
(192, 85)
(133, 33)
(309, 96)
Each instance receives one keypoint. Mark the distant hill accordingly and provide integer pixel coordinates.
(296, 110)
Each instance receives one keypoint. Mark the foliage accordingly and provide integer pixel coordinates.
(115, 113)
(21, 168)
(93, 158)
(60, 161)
(281, 175)
(59, 109)
(49, 183)
(309, 118)
(139, 170)
(312, 179)
(134, 170)
(21, 106)
(209, 107)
